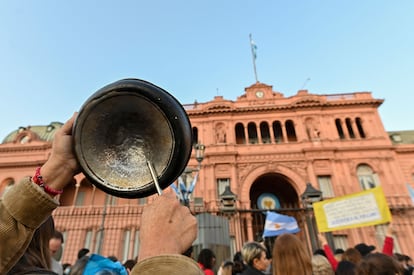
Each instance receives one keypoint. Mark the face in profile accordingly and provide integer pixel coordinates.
(54, 245)
(261, 263)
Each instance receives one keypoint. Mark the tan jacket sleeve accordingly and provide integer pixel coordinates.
(167, 265)
(23, 208)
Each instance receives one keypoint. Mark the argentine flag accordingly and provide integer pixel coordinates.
(277, 224)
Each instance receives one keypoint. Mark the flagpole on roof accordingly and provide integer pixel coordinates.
(253, 48)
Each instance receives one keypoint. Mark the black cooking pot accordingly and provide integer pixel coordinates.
(125, 125)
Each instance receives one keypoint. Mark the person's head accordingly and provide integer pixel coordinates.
(364, 249)
(79, 266)
(254, 255)
(268, 243)
(338, 254)
(352, 255)
(321, 265)
(290, 256)
(319, 251)
(37, 253)
(408, 260)
(227, 267)
(404, 260)
(378, 264)
(98, 265)
(55, 243)
(238, 265)
(345, 268)
(207, 258)
(339, 251)
(82, 252)
(129, 264)
(113, 258)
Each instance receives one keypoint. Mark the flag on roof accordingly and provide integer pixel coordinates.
(254, 48)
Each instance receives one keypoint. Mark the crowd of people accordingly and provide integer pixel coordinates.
(87, 263)
(31, 245)
(290, 257)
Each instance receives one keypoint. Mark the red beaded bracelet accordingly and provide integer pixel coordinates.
(38, 179)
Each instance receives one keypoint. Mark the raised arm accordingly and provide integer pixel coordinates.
(328, 251)
(388, 246)
(167, 230)
(26, 206)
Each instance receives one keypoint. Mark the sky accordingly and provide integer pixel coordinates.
(55, 54)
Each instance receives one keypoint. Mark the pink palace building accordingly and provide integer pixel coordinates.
(261, 151)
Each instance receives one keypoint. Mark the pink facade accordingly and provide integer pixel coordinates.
(261, 143)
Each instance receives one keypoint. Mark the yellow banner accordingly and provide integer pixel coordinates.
(356, 210)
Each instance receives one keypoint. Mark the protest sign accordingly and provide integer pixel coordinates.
(356, 210)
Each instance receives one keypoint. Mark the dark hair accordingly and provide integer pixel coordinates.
(339, 251)
(319, 251)
(378, 264)
(188, 252)
(206, 257)
(79, 266)
(113, 258)
(345, 268)
(37, 255)
(352, 255)
(58, 235)
(238, 263)
(82, 252)
(227, 263)
(238, 257)
(269, 242)
(129, 264)
(98, 265)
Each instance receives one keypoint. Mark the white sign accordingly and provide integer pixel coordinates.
(355, 210)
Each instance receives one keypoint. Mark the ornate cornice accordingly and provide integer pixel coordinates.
(19, 148)
(303, 104)
(19, 164)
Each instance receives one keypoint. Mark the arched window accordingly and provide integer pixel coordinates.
(290, 130)
(252, 132)
(277, 131)
(338, 124)
(349, 127)
(240, 137)
(195, 135)
(265, 133)
(367, 178)
(359, 126)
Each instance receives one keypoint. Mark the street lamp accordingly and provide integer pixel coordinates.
(309, 196)
(186, 182)
(199, 153)
(228, 201)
